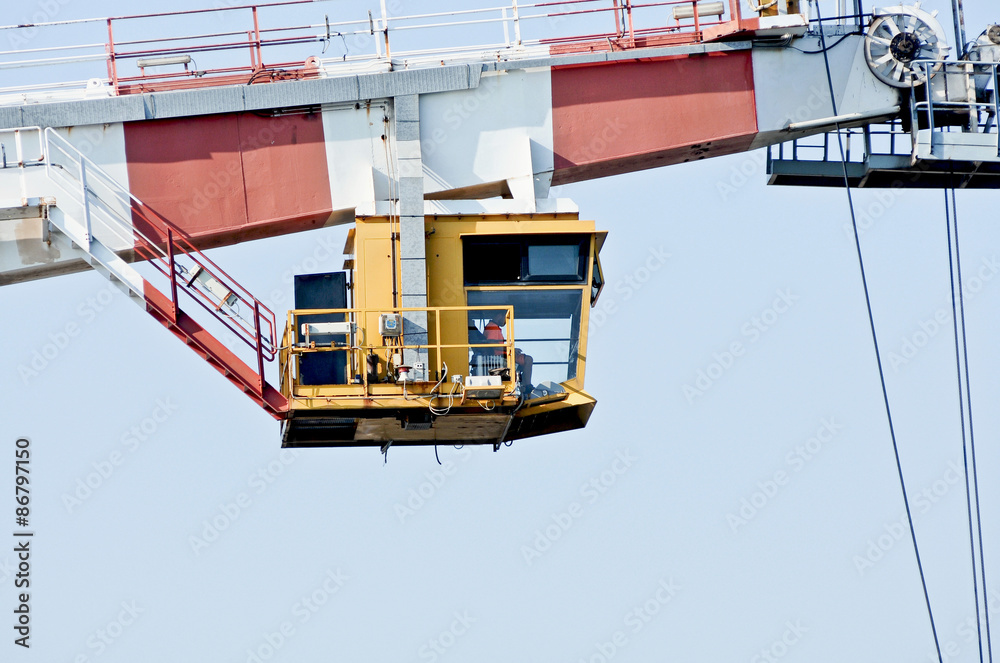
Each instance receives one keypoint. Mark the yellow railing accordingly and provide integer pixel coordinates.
(362, 339)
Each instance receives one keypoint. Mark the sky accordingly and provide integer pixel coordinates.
(753, 514)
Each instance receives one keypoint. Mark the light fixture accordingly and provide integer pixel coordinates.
(161, 62)
(213, 286)
(704, 9)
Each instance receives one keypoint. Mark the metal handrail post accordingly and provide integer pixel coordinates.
(256, 31)
(260, 351)
(437, 335)
(631, 26)
(930, 100)
(517, 25)
(506, 28)
(173, 275)
(385, 27)
(996, 103)
(112, 61)
(86, 202)
(914, 122)
(511, 352)
(735, 13)
(20, 166)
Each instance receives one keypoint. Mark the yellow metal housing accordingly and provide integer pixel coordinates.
(473, 305)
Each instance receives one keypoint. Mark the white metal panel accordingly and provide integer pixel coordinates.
(24, 253)
(356, 155)
(104, 144)
(478, 136)
(792, 87)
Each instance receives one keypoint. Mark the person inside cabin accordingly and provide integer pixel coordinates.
(493, 333)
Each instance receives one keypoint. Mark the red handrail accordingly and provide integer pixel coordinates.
(625, 29)
(177, 241)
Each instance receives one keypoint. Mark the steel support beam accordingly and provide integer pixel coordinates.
(410, 207)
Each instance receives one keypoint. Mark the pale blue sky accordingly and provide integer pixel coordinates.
(653, 560)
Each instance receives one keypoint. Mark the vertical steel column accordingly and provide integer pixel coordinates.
(958, 14)
(412, 242)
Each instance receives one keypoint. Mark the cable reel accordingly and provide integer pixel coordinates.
(897, 37)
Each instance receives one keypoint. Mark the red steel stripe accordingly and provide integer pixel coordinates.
(624, 116)
(232, 177)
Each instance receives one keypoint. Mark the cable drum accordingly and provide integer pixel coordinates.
(899, 36)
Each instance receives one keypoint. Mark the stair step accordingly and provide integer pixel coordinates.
(126, 278)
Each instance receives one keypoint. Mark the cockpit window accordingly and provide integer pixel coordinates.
(519, 259)
(554, 260)
(546, 328)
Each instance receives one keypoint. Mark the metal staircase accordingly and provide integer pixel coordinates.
(100, 216)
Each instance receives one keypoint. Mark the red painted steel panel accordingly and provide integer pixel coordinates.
(226, 178)
(625, 116)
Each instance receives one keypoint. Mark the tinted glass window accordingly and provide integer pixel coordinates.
(553, 260)
(492, 262)
(546, 327)
(515, 259)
